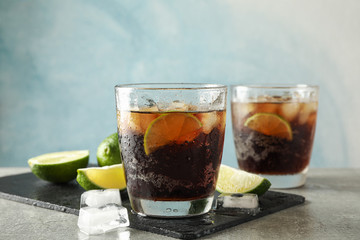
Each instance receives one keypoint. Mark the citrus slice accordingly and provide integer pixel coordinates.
(270, 124)
(232, 180)
(102, 177)
(171, 127)
(59, 167)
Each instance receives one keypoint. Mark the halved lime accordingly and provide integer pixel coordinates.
(102, 177)
(108, 152)
(171, 127)
(270, 124)
(59, 167)
(232, 180)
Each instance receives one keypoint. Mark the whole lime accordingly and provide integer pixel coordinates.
(108, 152)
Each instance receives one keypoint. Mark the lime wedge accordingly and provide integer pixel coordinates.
(270, 124)
(102, 177)
(233, 180)
(108, 152)
(59, 167)
(171, 127)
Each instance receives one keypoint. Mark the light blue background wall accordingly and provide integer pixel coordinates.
(59, 62)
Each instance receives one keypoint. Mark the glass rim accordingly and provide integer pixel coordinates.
(275, 86)
(171, 86)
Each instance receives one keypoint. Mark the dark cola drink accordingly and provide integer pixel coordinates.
(170, 156)
(274, 136)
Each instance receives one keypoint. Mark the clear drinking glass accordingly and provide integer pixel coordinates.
(171, 138)
(274, 128)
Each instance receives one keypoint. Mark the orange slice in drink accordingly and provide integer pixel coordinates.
(172, 127)
(270, 124)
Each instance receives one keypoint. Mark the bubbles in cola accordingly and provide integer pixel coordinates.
(262, 150)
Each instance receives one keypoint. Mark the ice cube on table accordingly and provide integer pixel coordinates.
(93, 220)
(98, 198)
(238, 203)
(101, 211)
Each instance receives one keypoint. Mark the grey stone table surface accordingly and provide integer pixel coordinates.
(331, 211)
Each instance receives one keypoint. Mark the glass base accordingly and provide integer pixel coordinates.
(287, 181)
(171, 209)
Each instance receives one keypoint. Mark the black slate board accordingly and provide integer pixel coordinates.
(26, 188)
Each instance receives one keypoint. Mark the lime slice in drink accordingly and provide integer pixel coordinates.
(108, 152)
(102, 177)
(270, 124)
(59, 167)
(172, 127)
(233, 180)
